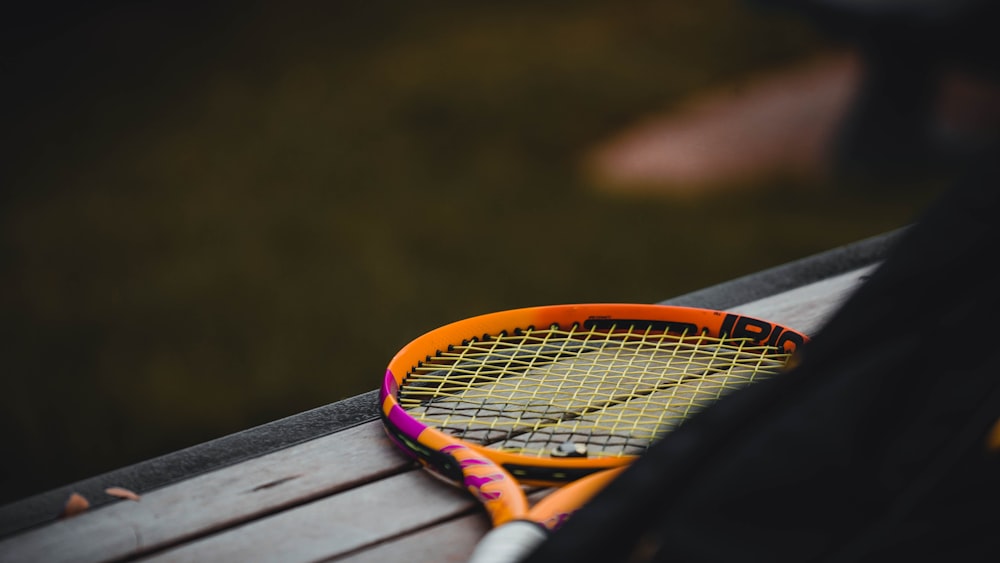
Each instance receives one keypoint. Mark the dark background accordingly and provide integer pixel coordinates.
(218, 214)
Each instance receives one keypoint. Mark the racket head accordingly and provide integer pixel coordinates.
(503, 340)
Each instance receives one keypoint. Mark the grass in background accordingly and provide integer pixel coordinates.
(217, 219)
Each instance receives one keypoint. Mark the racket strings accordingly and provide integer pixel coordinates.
(613, 391)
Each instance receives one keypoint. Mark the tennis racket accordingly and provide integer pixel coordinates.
(563, 395)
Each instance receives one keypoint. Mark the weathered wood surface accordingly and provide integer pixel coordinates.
(348, 496)
(807, 307)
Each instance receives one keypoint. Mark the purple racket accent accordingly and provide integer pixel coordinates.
(471, 461)
(389, 386)
(404, 422)
(476, 485)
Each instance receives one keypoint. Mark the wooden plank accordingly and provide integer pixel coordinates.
(449, 541)
(337, 524)
(163, 470)
(806, 308)
(440, 522)
(215, 500)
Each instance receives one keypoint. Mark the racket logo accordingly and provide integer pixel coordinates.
(476, 480)
(761, 332)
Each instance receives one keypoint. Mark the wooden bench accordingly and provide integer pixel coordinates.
(327, 484)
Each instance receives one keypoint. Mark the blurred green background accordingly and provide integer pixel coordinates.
(220, 214)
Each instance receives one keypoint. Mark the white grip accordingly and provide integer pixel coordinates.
(509, 543)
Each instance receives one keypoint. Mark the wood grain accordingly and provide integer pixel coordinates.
(336, 525)
(214, 501)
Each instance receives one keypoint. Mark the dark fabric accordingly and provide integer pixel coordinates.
(872, 449)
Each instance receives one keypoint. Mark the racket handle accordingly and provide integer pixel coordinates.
(509, 543)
